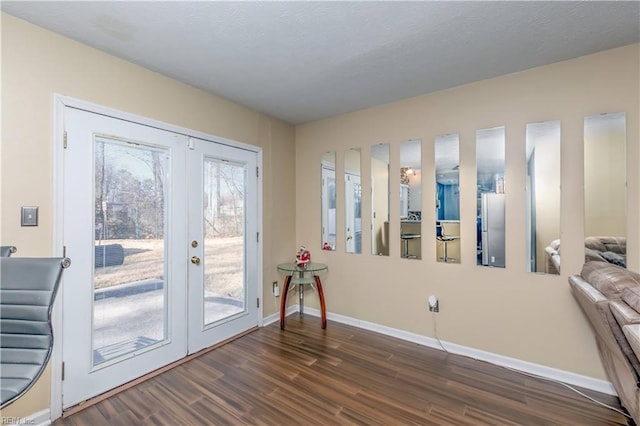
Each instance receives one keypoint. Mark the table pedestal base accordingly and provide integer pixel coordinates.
(285, 292)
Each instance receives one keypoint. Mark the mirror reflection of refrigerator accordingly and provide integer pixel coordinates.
(492, 226)
(404, 201)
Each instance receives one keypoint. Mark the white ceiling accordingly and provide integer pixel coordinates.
(303, 61)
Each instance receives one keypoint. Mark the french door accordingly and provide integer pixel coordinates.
(157, 226)
(223, 242)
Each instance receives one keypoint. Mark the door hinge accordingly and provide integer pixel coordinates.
(64, 140)
(63, 371)
(257, 172)
(191, 144)
(257, 237)
(64, 251)
(257, 302)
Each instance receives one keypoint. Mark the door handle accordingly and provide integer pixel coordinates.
(195, 260)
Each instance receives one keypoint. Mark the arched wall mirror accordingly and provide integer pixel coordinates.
(328, 166)
(380, 199)
(542, 197)
(605, 188)
(411, 199)
(490, 224)
(447, 177)
(352, 201)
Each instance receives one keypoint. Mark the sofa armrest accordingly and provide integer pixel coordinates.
(623, 313)
(599, 313)
(632, 333)
(585, 290)
(595, 306)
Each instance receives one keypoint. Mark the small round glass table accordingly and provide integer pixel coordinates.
(295, 275)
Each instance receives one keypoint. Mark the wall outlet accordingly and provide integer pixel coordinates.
(276, 289)
(434, 304)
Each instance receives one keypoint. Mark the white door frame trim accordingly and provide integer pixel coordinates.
(59, 104)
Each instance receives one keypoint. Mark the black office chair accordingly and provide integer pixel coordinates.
(7, 251)
(27, 290)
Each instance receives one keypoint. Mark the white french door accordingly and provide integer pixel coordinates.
(140, 205)
(223, 246)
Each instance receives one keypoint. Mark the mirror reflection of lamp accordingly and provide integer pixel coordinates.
(405, 172)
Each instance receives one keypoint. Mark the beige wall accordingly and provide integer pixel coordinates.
(508, 311)
(37, 63)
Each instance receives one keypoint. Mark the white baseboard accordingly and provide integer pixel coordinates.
(276, 317)
(545, 372)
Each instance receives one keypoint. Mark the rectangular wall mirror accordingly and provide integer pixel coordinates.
(605, 184)
(542, 192)
(328, 165)
(447, 174)
(352, 201)
(380, 199)
(490, 166)
(411, 199)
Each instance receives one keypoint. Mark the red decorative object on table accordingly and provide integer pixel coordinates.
(302, 257)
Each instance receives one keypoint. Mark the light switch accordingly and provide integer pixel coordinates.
(29, 216)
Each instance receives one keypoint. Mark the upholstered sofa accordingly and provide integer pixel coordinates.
(553, 253)
(610, 297)
(605, 249)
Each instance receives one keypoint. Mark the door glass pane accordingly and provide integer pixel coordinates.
(224, 231)
(130, 205)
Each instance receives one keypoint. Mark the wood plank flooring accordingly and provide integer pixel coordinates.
(342, 376)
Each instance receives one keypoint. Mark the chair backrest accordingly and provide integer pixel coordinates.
(6, 251)
(27, 289)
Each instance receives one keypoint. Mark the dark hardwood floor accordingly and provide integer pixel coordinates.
(342, 375)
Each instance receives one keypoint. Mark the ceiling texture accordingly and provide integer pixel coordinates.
(302, 61)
